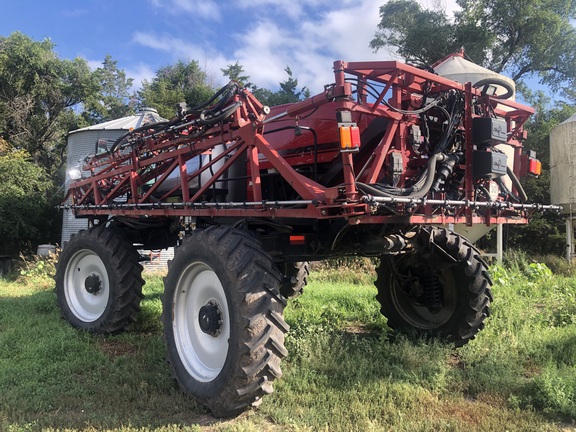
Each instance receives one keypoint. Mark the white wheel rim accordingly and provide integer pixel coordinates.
(86, 306)
(202, 354)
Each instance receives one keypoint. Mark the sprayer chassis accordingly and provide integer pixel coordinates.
(258, 193)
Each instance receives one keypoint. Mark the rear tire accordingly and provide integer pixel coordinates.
(295, 278)
(223, 320)
(99, 282)
(443, 288)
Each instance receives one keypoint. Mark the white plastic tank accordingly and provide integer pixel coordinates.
(193, 165)
(562, 165)
(457, 68)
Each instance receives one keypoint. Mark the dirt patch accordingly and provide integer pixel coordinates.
(114, 348)
(359, 330)
(455, 361)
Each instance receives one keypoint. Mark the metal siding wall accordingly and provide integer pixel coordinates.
(563, 165)
(80, 145)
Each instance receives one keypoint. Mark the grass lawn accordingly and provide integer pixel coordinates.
(346, 370)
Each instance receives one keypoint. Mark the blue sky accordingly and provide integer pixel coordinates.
(265, 36)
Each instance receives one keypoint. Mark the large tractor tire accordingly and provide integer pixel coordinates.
(223, 319)
(441, 289)
(99, 282)
(295, 278)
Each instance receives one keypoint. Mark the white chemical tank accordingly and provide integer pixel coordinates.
(457, 68)
(562, 167)
(173, 180)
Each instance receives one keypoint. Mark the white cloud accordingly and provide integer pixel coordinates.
(178, 48)
(140, 73)
(207, 9)
(449, 6)
(292, 9)
(94, 64)
(306, 35)
(151, 40)
(210, 59)
(310, 45)
(264, 52)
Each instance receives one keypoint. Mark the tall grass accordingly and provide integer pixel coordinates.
(346, 370)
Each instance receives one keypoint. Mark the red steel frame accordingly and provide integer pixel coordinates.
(153, 156)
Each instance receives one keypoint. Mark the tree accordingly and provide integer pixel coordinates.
(113, 100)
(234, 72)
(39, 98)
(183, 82)
(419, 35)
(521, 37)
(547, 227)
(288, 92)
(37, 93)
(23, 203)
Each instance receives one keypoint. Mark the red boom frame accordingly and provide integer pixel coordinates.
(152, 155)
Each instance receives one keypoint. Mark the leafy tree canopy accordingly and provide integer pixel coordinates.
(37, 93)
(23, 202)
(523, 38)
(288, 92)
(234, 72)
(182, 82)
(114, 100)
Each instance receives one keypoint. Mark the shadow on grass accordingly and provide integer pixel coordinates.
(52, 375)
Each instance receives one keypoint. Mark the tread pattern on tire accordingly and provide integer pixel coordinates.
(124, 269)
(260, 348)
(295, 278)
(477, 291)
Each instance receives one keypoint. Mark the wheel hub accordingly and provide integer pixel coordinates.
(210, 318)
(93, 284)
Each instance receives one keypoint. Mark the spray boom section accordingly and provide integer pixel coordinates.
(385, 142)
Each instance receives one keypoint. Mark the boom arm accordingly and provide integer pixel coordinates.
(418, 169)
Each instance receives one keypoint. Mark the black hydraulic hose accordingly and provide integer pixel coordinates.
(315, 138)
(207, 117)
(495, 80)
(517, 185)
(414, 191)
(507, 191)
(229, 86)
(218, 115)
(148, 126)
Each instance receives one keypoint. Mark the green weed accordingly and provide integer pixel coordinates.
(345, 370)
(37, 269)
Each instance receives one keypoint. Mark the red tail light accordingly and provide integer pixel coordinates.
(349, 138)
(534, 167)
(297, 240)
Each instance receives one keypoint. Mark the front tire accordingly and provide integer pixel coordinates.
(443, 288)
(223, 320)
(99, 282)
